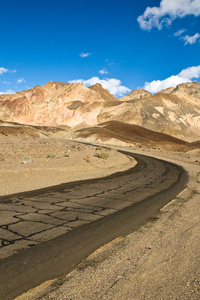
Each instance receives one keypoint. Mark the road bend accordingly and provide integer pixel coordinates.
(46, 233)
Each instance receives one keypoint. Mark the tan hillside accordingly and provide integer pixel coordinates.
(189, 92)
(8, 129)
(55, 104)
(136, 94)
(121, 133)
(103, 92)
(175, 112)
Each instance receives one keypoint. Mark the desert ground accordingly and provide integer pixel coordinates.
(33, 163)
(159, 261)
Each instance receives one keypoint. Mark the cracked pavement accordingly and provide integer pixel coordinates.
(26, 221)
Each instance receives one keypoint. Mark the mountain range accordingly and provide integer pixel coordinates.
(174, 111)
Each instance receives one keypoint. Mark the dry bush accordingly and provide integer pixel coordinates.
(50, 155)
(101, 155)
(26, 157)
(65, 154)
(87, 159)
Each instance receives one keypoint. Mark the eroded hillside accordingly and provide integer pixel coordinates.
(175, 111)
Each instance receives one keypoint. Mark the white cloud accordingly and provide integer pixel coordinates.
(184, 76)
(82, 54)
(157, 85)
(191, 39)
(179, 32)
(168, 11)
(113, 85)
(21, 80)
(103, 71)
(9, 91)
(3, 70)
(191, 72)
(5, 82)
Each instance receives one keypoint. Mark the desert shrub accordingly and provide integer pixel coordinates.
(100, 148)
(102, 155)
(65, 154)
(50, 155)
(26, 157)
(87, 159)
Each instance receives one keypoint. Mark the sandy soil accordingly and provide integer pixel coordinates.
(32, 163)
(159, 261)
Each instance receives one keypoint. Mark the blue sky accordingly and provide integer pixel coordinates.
(123, 44)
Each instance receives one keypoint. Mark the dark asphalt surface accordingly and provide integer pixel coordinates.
(46, 233)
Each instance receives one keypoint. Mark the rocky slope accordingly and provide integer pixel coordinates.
(19, 130)
(174, 111)
(123, 134)
(103, 93)
(136, 94)
(55, 104)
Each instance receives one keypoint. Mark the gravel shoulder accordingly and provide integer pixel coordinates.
(161, 260)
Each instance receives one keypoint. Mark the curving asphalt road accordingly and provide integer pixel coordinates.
(46, 233)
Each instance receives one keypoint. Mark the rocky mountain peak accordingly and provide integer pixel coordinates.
(97, 85)
(106, 96)
(189, 92)
(136, 94)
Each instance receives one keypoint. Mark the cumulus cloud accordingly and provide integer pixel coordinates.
(191, 72)
(21, 80)
(5, 82)
(82, 54)
(179, 32)
(191, 39)
(157, 85)
(9, 91)
(3, 70)
(113, 85)
(184, 76)
(167, 12)
(103, 71)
